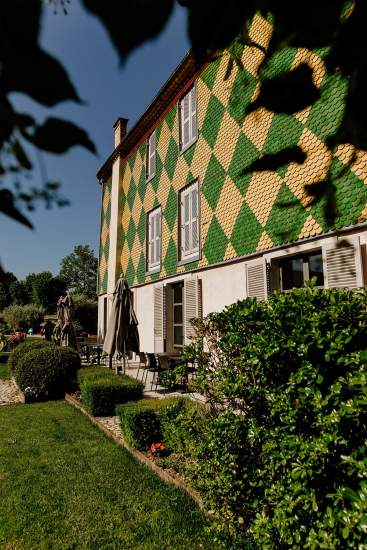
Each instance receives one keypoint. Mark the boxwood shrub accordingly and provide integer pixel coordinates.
(4, 356)
(282, 461)
(23, 348)
(47, 372)
(101, 390)
(140, 421)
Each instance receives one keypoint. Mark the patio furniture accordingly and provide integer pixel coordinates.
(143, 362)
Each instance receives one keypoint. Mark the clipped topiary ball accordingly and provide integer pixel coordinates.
(47, 372)
(27, 346)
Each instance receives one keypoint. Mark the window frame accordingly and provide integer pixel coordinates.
(305, 265)
(194, 253)
(153, 267)
(193, 136)
(148, 156)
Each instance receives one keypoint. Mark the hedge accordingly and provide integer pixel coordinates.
(140, 421)
(282, 460)
(30, 344)
(101, 390)
(4, 356)
(47, 372)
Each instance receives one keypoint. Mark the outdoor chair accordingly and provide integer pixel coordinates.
(143, 363)
(154, 367)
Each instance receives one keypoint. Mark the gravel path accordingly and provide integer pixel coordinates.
(9, 393)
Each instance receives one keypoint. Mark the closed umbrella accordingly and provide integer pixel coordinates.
(68, 336)
(122, 332)
(57, 332)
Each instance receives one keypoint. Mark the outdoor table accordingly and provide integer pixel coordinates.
(90, 347)
(167, 358)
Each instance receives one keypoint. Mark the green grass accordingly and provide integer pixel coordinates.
(4, 371)
(65, 485)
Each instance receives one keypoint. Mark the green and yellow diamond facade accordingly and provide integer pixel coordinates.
(240, 212)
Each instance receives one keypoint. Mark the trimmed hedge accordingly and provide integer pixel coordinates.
(101, 390)
(4, 356)
(23, 348)
(140, 421)
(47, 372)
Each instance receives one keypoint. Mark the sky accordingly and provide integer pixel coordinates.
(110, 91)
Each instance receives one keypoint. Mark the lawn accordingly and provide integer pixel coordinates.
(65, 485)
(4, 371)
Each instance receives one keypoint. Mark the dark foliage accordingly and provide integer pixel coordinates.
(22, 349)
(46, 373)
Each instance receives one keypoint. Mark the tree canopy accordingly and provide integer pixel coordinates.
(79, 270)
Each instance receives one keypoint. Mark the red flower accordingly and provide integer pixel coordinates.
(157, 448)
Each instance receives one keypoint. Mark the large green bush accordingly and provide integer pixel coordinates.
(47, 372)
(283, 459)
(101, 390)
(23, 348)
(140, 421)
(18, 317)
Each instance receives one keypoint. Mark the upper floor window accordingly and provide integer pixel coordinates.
(295, 270)
(151, 156)
(188, 119)
(154, 239)
(189, 222)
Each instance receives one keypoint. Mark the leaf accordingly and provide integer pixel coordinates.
(21, 155)
(7, 207)
(58, 136)
(132, 22)
(39, 75)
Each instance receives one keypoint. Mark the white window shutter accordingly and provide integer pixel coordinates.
(158, 319)
(194, 218)
(344, 265)
(185, 120)
(191, 306)
(193, 114)
(158, 237)
(152, 155)
(256, 278)
(185, 240)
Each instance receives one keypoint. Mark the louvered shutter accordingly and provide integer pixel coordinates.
(185, 222)
(256, 276)
(194, 218)
(193, 114)
(158, 237)
(343, 265)
(151, 155)
(158, 319)
(151, 237)
(185, 120)
(191, 306)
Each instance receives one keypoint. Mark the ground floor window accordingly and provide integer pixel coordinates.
(294, 271)
(178, 316)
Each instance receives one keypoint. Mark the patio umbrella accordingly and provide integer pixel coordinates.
(68, 336)
(57, 332)
(122, 333)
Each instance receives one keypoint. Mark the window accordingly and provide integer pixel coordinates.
(178, 316)
(151, 156)
(189, 222)
(296, 270)
(154, 240)
(188, 120)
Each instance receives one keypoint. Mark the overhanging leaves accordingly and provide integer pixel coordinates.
(132, 22)
(7, 207)
(58, 136)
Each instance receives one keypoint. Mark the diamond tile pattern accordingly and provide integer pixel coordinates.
(104, 244)
(240, 212)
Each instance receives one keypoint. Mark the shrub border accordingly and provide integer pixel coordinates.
(137, 454)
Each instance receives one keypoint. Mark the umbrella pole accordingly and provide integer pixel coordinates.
(124, 361)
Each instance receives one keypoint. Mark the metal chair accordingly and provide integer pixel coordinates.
(143, 362)
(154, 367)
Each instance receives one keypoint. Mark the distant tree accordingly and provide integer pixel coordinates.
(86, 313)
(18, 317)
(7, 279)
(20, 293)
(46, 289)
(79, 270)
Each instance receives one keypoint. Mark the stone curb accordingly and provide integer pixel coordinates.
(138, 455)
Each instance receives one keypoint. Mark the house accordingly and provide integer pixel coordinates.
(193, 225)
